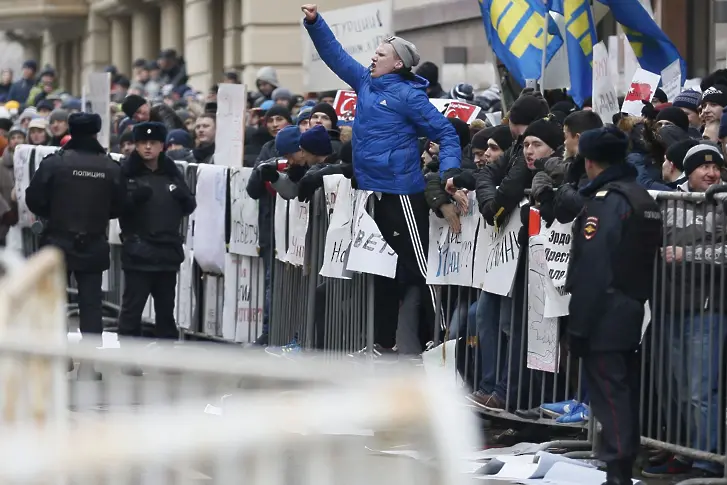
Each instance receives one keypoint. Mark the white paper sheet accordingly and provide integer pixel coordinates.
(244, 231)
(369, 252)
(339, 201)
(209, 234)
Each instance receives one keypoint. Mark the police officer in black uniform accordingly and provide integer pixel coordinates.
(157, 200)
(77, 190)
(616, 237)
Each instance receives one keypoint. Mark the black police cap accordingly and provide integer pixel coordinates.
(84, 124)
(150, 131)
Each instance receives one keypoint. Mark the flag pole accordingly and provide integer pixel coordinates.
(543, 59)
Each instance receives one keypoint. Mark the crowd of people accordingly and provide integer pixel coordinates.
(547, 150)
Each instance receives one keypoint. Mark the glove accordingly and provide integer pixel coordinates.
(308, 186)
(525, 215)
(648, 111)
(464, 180)
(433, 166)
(578, 346)
(296, 172)
(347, 170)
(576, 170)
(556, 168)
(714, 190)
(547, 207)
(141, 194)
(269, 173)
(487, 210)
(541, 183)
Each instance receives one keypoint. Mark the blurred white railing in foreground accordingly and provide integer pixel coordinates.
(282, 421)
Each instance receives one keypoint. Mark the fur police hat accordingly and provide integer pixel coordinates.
(131, 104)
(150, 131)
(607, 144)
(84, 124)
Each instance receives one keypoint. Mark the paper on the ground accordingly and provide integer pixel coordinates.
(518, 449)
(565, 473)
(533, 466)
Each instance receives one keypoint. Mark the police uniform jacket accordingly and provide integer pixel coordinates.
(156, 203)
(76, 191)
(610, 276)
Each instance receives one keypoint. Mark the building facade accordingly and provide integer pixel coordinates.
(215, 36)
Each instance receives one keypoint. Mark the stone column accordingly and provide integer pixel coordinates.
(63, 66)
(96, 46)
(171, 25)
(144, 37)
(32, 49)
(198, 43)
(49, 52)
(77, 77)
(121, 44)
(232, 24)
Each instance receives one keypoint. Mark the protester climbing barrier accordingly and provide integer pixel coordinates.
(503, 306)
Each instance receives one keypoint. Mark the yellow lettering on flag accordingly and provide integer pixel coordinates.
(577, 24)
(634, 39)
(505, 15)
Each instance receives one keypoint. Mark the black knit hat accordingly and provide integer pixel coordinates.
(150, 131)
(131, 104)
(500, 134)
(528, 109)
(84, 124)
(607, 144)
(674, 115)
(328, 110)
(279, 110)
(677, 151)
(660, 96)
(716, 94)
(429, 71)
(463, 131)
(702, 154)
(548, 130)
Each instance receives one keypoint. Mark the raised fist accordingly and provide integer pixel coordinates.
(311, 12)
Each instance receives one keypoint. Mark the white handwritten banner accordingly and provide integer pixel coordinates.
(359, 29)
(542, 331)
(244, 296)
(229, 137)
(244, 233)
(22, 158)
(209, 233)
(280, 226)
(298, 215)
(557, 242)
(451, 256)
(671, 78)
(339, 202)
(369, 252)
(496, 256)
(605, 101)
(184, 302)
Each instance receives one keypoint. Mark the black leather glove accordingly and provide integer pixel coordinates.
(141, 194)
(465, 180)
(541, 183)
(308, 186)
(525, 215)
(576, 170)
(648, 111)
(347, 170)
(713, 190)
(546, 207)
(296, 172)
(268, 172)
(433, 165)
(578, 346)
(488, 212)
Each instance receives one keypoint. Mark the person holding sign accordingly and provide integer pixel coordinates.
(392, 111)
(616, 238)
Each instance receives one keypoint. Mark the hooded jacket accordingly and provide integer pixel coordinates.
(391, 112)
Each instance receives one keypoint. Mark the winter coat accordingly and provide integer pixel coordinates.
(20, 90)
(9, 216)
(501, 184)
(391, 112)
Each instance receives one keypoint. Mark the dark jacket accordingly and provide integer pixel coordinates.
(568, 201)
(182, 155)
(20, 90)
(204, 153)
(155, 205)
(258, 190)
(5, 92)
(176, 75)
(501, 184)
(255, 139)
(76, 191)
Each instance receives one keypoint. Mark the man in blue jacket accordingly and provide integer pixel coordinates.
(392, 111)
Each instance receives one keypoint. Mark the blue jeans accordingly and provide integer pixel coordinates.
(695, 365)
(456, 329)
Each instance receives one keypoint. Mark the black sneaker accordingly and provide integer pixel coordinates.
(262, 340)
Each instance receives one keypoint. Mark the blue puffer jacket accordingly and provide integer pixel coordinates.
(391, 113)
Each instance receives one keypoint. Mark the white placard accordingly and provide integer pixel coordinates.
(210, 320)
(244, 231)
(542, 330)
(671, 78)
(642, 88)
(209, 231)
(369, 252)
(250, 300)
(230, 133)
(280, 227)
(359, 29)
(184, 302)
(298, 215)
(452, 255)
(614, 49)
(21, 169)
(339, 202)
(605, 101)
(496, 256)
(98, 100)
(557, 242)
(631, 64)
